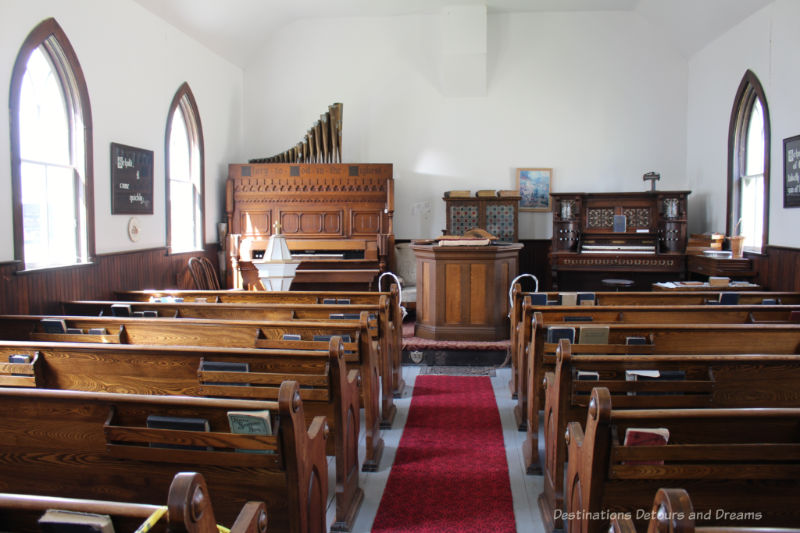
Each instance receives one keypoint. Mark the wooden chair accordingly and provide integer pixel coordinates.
(203, 273)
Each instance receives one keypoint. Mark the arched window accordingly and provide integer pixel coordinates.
(185, 174)
(748, 165)
(51, 153)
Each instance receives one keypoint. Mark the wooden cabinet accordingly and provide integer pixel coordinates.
(462, 291)
(499, 215)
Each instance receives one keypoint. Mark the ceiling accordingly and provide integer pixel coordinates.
(236, 28)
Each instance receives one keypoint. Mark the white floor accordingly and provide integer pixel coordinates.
(525, 488)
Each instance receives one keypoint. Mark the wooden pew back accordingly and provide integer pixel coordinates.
(361, 352)
(96, 445)
(742, 461)
(394, 320)
(672, 512)
(701, 381)
(325, 388)
(189, 508)
(674, 339)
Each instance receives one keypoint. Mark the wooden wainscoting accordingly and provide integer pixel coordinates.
(534, 259)
(41, 291)
(778, 269)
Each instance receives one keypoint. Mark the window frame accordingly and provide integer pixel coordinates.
(184, 91)
(749, 90)
(74, 82)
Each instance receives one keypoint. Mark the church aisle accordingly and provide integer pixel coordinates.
(525, 489)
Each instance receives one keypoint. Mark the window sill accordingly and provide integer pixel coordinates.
(25, 271)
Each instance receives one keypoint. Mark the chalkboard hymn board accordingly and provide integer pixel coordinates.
(131, 180)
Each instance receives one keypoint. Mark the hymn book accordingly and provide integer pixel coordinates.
(57, 521)
(251, 423)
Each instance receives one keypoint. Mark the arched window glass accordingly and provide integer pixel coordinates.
(51, 174)
(184, 174)
(748, 186)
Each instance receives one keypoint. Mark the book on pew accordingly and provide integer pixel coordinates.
(251, 423)
(225, 366)
(539, 298)
(557, 301)
(344, 316)
(729, 298)
(341, 301)
(147, 313)
(97, 331)
(593, 335)
(58, 521)
(121, 310)
(54, 325)
(345, 338)
(576, 318)
(555, 334)
(587, 375)
(586, 298)
(654, 375)
(635, 340)
(74, 331)
(181, 423)
(569, 298)
(292, 337)
(769, 301)
(646, 437)
(20, 358)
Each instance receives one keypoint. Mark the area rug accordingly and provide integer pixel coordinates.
(436, 370)
(410, 342)
(450, 473)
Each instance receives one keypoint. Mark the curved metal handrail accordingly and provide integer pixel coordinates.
(399, 289)
(511, 288)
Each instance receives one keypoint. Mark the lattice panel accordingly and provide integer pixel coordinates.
(599, 217)
(500, 221)
(463, 218)
(637, 217)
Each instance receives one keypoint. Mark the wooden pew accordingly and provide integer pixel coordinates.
(737, 460)
(641, 314)
(189, 509)
(522, 308)
(518, 322)
(325, 387)
(379, 327)
(393, 321)
(673, 339)
(740, 380)
(97, 445)
(672, 512)
(360, 353)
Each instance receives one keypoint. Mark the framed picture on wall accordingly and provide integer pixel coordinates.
(791, 172)
(534, 188)
(131, 180)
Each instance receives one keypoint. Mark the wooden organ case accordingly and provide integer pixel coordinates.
(336, 218)
(641, 235)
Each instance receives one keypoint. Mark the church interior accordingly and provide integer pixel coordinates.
(338, 265)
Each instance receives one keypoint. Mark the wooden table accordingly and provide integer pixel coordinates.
(462, 291)
(732, 268)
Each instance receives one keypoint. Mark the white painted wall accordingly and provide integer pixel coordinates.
(134, 63)
(766, 43)
(598, 97)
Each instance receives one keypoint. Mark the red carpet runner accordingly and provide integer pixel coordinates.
(450, 473)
